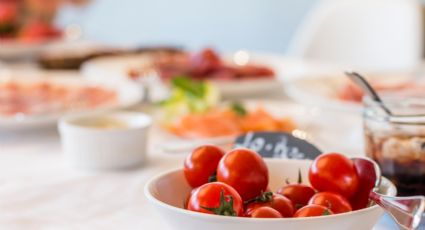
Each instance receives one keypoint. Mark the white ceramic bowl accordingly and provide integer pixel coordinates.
(168, 191)
(91, 147)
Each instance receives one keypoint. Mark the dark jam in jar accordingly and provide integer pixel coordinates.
(400, 156)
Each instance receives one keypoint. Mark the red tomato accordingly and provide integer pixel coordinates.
(313, 210)
(367, 178)
(275, 201)
(8, 11)
(245, 171)
(202, 164)
(265, 212)
(333, 172)
(299, 194)
(216, 198)
(335, 202)
(186, 201)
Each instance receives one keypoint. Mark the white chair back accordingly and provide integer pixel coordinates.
(365, 35)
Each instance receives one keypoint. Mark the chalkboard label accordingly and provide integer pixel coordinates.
(278, 145)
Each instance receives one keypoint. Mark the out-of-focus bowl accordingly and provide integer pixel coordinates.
(87, 145)
(168, 191)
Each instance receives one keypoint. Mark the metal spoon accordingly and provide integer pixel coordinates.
(367, 88)
(406, 211)
(393, 118)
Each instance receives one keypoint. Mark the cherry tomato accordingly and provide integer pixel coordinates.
(265, 212)
(186, 201)
(313, 210)
(367, 178)
(273, 200)
(299, 194)
(245, 171)
(335, 202)
(333, 172)
(202, 164)
(216, 198)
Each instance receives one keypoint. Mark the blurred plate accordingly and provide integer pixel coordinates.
(117, 67)
(128, 94)
(12, 50)
(313, 124)
(279, 109)
(322, 90)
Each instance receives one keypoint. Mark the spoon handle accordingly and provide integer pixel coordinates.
(367, 88)
(406, 211)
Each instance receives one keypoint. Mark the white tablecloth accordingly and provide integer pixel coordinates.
(40, 191)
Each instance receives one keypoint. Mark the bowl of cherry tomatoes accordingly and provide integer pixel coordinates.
(241, 190)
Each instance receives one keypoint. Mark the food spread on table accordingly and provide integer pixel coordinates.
(43, 97)
(203, 65)
(235, 183)
(193, 111)
(18, 24)
(216, 186)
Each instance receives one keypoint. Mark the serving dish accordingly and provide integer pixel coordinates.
(13, 50)
(168, 191)
(126, 94)
(118, 67)
(297, 115)
(71, 55)
(335, 91)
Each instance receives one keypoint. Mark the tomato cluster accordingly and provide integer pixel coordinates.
(236, 184)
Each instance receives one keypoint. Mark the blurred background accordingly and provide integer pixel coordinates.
(228, 25)
(197, 72)
(339, 32)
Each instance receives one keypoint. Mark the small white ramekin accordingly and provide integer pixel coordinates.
(90, 148)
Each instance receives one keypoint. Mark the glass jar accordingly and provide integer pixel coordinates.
(397, 142)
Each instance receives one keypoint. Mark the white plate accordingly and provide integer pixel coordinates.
(322, 89)
(276, 108)
(128, 94)
(288, 68)
(116, 68)
(15, 50)
(285, 68)
(311, 124)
